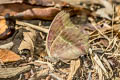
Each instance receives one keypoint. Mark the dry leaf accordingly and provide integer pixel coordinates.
(10, 1)
(73, 2)
(4, 32)
(38, 13)
(73, 9)
(8, 56)
(64, 40)
(105, 12)
(41, 2)
(7, 26)
(12, 9)
(118, 10)
(28, 41)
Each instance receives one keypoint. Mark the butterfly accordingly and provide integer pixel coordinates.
(65, 41)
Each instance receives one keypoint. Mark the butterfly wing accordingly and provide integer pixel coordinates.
(60, 22)
(70, 44)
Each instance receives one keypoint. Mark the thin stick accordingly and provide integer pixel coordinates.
(56, 77)
(100, 32)
(32, 26)
(49, 64)
(113, 16)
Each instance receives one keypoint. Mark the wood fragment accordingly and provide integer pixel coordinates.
(12, 72)
(38, 13)
(32, 26)
(55, 77)
(7, 46)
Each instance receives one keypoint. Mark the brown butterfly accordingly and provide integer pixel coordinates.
(64, 40)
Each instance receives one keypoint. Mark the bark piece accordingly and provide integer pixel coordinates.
(38, 13)
(12, 72)
(7, 46)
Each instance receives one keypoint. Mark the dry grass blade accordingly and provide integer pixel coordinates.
(98, 61)
(49, 64)
(75, 64)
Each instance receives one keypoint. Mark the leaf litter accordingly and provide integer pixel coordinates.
(81, 42)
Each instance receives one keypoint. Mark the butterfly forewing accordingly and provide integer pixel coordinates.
(60, 22)
(64, 40)
(70, 44)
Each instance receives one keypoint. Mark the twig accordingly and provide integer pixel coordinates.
(89, 76)
(113, 18)
(32, 26)
(100, 32)
(54, 76)
(49, 64)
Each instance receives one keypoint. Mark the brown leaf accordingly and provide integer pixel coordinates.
(118, 10)
(41, 2)
(38, 13)
(13, 8)
(105, 12)
(28, 41)
(10, 1)
(4, 31)
(7, 26)
(8, 56)
(73, 9)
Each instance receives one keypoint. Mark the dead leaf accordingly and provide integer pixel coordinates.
(12, 9)
(72, 1)
(3, 29)
(65, 41)
(28, 41)
(10, 1)
(38, 13)
(8, 56)
(73, 9)
(105, 12)
(102, 13)
(41, 2)
(118, 10)
(7, 27)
